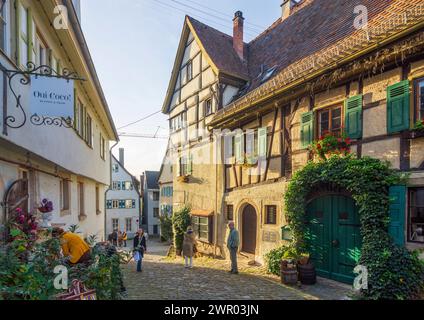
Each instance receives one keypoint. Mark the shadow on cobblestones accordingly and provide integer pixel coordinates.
(163, 278)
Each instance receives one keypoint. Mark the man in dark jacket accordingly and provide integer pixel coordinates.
(139, 248)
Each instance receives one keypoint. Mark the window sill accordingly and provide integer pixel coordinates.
(65, 212)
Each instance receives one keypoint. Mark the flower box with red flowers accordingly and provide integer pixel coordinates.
(330, 144)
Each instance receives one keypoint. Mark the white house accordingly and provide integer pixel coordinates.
(44, 159)
(122, 200)
(151, 193)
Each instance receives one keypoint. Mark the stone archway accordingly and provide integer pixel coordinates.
(249, 220)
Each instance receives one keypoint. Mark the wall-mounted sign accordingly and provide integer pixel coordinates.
(52, 97)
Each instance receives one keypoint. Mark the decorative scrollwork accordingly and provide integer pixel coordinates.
(50, 121)
(25, 79)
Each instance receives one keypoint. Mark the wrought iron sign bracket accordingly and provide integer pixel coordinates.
(24, 78)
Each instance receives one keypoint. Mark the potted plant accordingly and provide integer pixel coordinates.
(46, 209)
(306, 270)
(183, 178)
(250, 161)
(329, 144)
(289, 274)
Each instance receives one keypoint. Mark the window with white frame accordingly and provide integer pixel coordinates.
(128, 185)
(116, 185)
(81, 204)
(89, 131)
(41, 52)
(208, 107)
(155, 212)
(65, 194)
(128, 224)
(129, 204)
(3, 23)
(103, 151)
(115, 204)
(23, 35)
(115, 224)
(416, 215)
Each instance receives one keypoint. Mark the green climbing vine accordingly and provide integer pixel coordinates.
(393, 271)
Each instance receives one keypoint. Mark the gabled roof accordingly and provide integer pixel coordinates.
(313, 26)
(217, 48)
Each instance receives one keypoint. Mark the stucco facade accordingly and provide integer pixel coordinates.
(49, 156)
(120, 214)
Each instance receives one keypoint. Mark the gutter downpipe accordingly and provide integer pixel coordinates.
(110, 185)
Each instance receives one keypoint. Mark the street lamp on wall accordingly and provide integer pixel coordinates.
(286, 233)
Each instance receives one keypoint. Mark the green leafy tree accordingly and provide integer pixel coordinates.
(181, 220)
(166, 227)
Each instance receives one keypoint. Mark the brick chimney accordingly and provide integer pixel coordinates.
(238, 43)
(287, 7)
(121, 156)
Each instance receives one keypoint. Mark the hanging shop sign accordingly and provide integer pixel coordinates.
(52, 97)
(51, 101)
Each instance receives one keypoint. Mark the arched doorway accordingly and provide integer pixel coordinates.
(333, 236)
(248, 229)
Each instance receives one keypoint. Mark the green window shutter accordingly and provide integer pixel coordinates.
(397, 196)
(239, 148)
(262, 142)
(307, 129)
(398, 100)
(353, 117)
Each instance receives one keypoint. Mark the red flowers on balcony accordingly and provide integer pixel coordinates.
(330, 144)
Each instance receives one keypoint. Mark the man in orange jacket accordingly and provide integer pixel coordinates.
(73, 247)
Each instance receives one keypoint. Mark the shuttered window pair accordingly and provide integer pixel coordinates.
(398, 114)
(185, 166)
(256, 147)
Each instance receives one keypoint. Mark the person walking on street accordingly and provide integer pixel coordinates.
(139, 249)
(119, 238)
(189, 245)
(124, 238)
(115, 237)
(233, 243)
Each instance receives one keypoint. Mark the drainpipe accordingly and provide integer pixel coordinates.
(109, 188)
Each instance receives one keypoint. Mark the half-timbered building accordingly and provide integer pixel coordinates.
(314, 71)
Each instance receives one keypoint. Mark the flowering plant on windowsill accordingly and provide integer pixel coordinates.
(250, 161)
(329, 144)
(183, 178)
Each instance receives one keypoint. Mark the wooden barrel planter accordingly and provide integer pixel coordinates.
(307, 274)
(288, 275)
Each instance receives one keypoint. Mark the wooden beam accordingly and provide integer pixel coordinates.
(271, 143)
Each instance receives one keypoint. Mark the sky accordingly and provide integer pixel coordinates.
(133, 44)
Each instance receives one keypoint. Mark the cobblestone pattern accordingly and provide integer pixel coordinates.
(164, 278)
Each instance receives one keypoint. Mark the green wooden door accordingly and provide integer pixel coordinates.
(333, 236)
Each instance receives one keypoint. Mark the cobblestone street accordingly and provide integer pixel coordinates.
(164, 278)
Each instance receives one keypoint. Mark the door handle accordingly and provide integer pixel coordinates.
(335, 243)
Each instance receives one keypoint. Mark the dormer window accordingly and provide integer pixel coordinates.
(268, 74)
